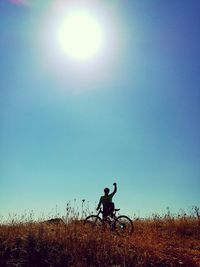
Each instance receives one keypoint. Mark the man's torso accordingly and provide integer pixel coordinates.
(106, 199)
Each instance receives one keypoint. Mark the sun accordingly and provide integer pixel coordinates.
(80, 35)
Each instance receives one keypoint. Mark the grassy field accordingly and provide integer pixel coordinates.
(158, 241)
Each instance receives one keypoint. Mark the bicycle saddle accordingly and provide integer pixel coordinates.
(117, 209)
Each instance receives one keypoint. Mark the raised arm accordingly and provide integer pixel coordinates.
(115, 189)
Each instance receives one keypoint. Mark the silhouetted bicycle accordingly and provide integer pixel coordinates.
(122, 224)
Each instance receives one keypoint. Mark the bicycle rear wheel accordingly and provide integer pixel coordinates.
(123, 225)
(93, 221)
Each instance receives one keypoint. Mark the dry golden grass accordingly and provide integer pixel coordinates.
(155, 242)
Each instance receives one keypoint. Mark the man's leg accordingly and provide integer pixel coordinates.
(112, 207)
(105, 212)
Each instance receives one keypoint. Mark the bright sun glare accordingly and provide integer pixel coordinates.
(80, 35)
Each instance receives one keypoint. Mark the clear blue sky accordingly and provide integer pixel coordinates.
(67, 130)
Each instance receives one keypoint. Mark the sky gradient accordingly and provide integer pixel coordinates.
(130, 115)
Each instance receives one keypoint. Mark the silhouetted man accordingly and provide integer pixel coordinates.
(106, 201)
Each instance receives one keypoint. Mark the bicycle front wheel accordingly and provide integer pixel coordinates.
(93, 221)
(123, 225)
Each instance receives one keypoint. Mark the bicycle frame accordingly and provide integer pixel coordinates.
(108, 217)
(119, 223)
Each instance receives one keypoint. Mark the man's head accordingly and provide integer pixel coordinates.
(106, 191)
